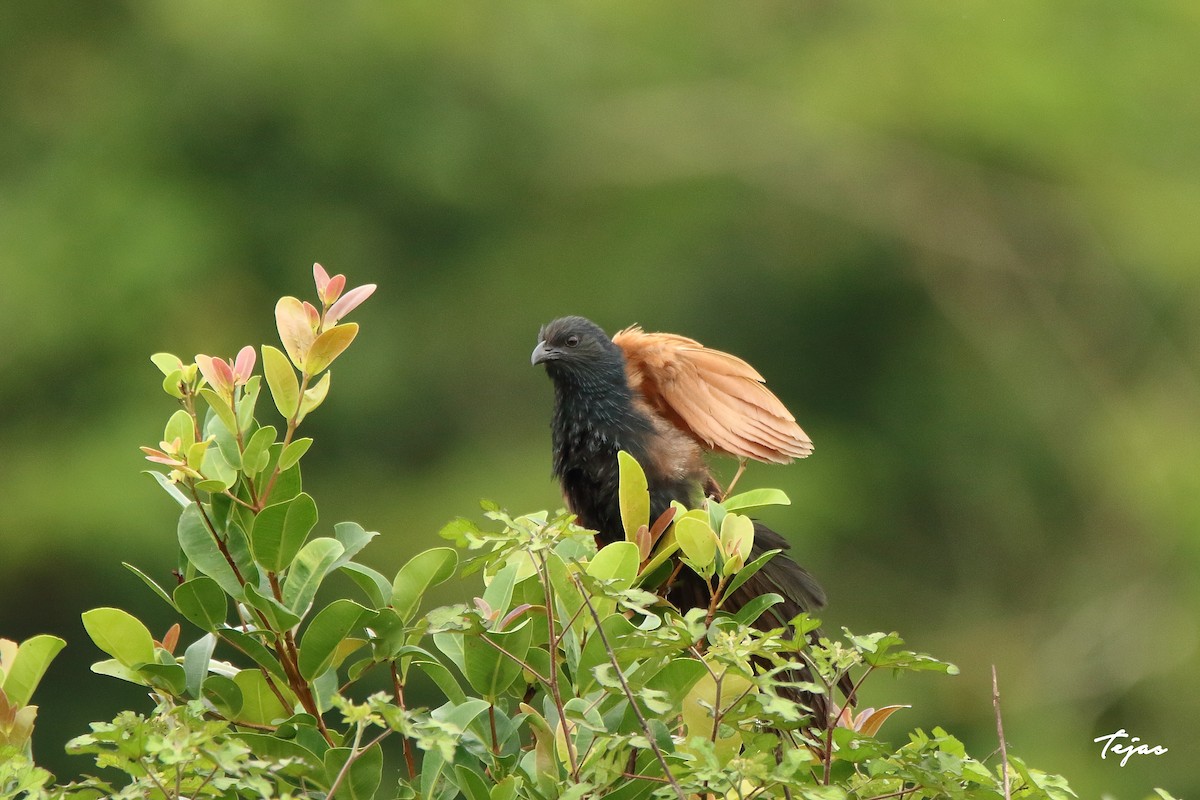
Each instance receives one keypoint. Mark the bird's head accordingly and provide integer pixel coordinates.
(578, 347)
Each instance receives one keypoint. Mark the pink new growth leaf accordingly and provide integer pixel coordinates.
(334, 290)
(321, 278)
(216, 372)
(244, 365)
(350, 301)
(328, 289)
(295, 329)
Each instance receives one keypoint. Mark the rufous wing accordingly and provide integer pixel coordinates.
(715, 397)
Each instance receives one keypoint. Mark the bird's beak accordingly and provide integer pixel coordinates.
(543, 352)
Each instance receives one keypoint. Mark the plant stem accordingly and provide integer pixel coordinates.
(355, 753)
(398, 688)
(1000, 734)
(553, 677)
(612, 657)
(292, 423)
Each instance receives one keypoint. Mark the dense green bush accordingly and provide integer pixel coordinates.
(568, 677)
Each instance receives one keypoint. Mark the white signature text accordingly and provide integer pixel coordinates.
(1113, 744)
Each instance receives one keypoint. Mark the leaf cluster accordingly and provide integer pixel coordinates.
(569, 676)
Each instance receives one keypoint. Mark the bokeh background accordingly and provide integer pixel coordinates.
(959, 238)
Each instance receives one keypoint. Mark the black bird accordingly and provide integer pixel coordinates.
(665, 399)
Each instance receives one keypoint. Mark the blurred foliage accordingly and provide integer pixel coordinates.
(958, 238)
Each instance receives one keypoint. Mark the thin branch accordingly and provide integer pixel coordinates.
(890, 795)
(1000, 734)
(398, 689)
(355, 753)
(208, 523)
(544, 574)
(292, 423)
(524, 664)
(612, 657)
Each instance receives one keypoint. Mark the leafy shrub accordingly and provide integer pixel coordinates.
(569, 677)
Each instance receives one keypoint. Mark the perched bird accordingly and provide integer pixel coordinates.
(666, 399)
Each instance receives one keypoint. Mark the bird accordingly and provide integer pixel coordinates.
(667, 400)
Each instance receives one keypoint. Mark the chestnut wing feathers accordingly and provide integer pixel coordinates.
(717, 398)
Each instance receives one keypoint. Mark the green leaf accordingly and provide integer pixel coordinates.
(364, 777)
(443, 678)
(27, 668)
(115, 669)
(422, 571)
(279, 618)
(329, 345)
(490, 671)
(171, 383)
(353, 539)
(471, 783)
(634, 497)
(282, 381)
(273, 748)
(737, 539)
(202, 602)
(499, 590)
(196, 659)
(260, 706)
(255, 649)
(756, 498)
(220, 407)
(247, 402)
(202, 551)
(121, 635)
(696, 539)
(257, 454)
(169, 487)
(752, 610)
(617, 562)
(294, 452)
(223, 693)
(308, 569)
(326, 631)
(747, 572)
(167, 363)
(218, 471)
(181, 427)
(168, 678)
(280, 530)
(375, 585)
(677, 678)
(154, 587)
(594, 654)
(314, 396)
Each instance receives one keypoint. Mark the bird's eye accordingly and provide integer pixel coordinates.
(572, 341)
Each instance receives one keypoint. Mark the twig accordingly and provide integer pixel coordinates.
(551, 607)
(1000, 734)
(398, 688)
(350, 759)
(612, 657)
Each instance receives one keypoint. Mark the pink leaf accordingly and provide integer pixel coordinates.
(314, 316)
(216, 372)
(321, 278)
(244, 365)
(334, 290)
(295, 330)
(350, 301)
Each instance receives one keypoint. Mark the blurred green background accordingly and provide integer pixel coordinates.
(959, 238)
